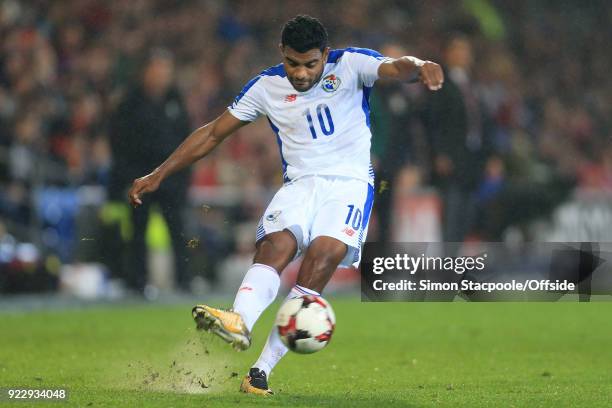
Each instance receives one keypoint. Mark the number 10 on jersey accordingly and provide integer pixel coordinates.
(325, 123)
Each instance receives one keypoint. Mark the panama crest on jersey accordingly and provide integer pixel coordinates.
(330, 83)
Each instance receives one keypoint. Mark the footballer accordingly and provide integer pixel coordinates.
(316, 102)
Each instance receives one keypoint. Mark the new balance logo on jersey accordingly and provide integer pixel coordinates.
(291, 98)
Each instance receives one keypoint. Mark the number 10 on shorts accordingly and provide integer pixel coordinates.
(354, 217)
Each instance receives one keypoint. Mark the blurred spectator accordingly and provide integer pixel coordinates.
(148, 125)
(542, 76)
(455, 123)
(397, 137)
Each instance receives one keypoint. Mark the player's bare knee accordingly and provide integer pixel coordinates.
(282, 244)
(325, 262)
(318, 267)
(276, 250)
(326, 255)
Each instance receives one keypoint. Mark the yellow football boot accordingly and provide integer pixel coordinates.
(224, 323)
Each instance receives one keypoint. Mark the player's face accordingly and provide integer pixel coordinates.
(304, 69)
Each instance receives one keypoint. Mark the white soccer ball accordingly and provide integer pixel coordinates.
(305, 324)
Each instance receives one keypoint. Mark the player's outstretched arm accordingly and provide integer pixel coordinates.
(404, 68)
(197, 145)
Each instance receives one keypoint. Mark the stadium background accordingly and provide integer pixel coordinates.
(540, 70)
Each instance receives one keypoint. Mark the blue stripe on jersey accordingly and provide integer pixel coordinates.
(246, 88)
(365, 103)
(276, 70)
(334, 55)
(280, 149)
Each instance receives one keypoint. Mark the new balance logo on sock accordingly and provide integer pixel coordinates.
(257, 290)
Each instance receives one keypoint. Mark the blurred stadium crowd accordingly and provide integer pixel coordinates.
(539, 72)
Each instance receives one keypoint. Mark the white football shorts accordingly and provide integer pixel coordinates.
(314, 206)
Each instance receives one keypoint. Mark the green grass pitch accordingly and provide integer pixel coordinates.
(382, 354)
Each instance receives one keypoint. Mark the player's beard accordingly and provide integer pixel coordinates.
(310, 84)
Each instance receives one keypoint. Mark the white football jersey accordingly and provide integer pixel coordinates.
(325, 130)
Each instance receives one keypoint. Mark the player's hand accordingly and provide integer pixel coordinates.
(146, 184)
(431, 75)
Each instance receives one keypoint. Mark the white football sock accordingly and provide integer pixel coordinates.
(258, 289)
(274, 349)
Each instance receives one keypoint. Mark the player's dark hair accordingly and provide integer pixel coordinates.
(303, 33)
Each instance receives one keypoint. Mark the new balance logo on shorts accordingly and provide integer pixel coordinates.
(348, 231)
